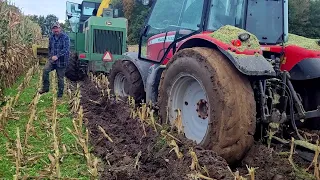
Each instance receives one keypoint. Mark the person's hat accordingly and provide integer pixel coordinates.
(55, 25)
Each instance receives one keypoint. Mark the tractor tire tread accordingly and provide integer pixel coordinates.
(133, 76)
(231, 133)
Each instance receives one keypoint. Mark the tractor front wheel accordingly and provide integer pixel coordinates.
(125, 80)
(216, 101)
(73, 71)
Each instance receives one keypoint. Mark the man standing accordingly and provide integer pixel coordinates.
(59, 44)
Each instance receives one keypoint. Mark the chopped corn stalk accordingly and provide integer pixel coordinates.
(165, 134)
(18, 153)
(251, 172)
(307, 43)
(197, 176)
(153, 122)
(178, 122)
(176, 149)
(195, 163)
(136, 164)
(105, 134)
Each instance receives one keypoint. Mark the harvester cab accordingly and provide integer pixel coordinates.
(201, 60)
(99, 35)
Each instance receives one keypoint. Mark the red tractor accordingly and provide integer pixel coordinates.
(192, 60)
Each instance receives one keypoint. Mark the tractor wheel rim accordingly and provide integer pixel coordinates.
(120, 84)
(188, 95)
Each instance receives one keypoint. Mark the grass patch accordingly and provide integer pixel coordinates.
(35, 160)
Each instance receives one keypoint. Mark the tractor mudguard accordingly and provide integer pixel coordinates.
(250, 65)
(142, 66)
(306, 69)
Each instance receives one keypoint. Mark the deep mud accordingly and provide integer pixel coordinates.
(156, 160)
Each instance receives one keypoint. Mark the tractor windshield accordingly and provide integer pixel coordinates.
(226, 12)
(165, 22)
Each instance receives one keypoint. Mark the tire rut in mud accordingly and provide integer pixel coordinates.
(127, 134)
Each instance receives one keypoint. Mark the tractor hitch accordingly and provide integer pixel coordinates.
(307, 115)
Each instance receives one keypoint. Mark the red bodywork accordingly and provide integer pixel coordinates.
(293, 54)
(156, 46)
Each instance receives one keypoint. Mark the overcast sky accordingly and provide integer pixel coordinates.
(44, 7)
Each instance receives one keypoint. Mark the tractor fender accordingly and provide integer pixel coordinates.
(306, 69)
(142, 66)
(250, 65)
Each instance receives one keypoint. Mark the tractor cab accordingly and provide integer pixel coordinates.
(263, 18)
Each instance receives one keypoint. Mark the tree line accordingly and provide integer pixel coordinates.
(304, 18)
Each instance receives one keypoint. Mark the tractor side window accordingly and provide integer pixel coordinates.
(88, 8)
(226, 12)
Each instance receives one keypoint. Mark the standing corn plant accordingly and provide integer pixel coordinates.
(17, 35)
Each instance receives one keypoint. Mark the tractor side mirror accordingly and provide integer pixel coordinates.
(145, 30)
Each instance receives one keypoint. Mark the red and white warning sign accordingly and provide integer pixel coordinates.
(107, 57)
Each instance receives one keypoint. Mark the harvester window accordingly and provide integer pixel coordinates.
(226, 12)
(73, 15)
(88, 8)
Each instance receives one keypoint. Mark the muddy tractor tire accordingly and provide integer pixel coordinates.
(125, 80)
(73, 72)
(217, 102)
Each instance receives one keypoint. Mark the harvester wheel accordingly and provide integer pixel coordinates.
(73, 71)
(217, 102)
(125, 80)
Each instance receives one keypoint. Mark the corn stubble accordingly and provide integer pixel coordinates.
(33, 109)
(82, 138)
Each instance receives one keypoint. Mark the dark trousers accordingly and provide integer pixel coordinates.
(60, 75)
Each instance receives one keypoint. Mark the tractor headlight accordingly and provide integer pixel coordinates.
(244, 36)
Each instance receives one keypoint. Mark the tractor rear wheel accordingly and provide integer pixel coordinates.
(217, 102)
(125, 80)
(73, 72)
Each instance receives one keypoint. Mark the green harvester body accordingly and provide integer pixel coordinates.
(92, 36)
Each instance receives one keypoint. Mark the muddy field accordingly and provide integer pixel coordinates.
(132, 155)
